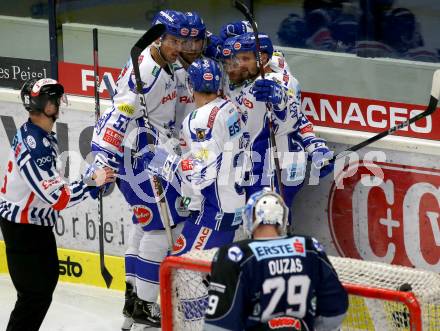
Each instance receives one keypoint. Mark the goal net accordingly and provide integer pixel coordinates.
(382, 296)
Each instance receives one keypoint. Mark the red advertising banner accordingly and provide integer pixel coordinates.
(322, 109)
(368, 115)
(78, 79)
(387, 212)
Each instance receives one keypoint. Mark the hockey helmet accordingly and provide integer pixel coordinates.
(204, 75)
(36, 93)
(246, 42)
(175, 22)
(265, 207)
(196, 25)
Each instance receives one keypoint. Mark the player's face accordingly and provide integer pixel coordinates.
(192, 49)
(170, 47)
(52, 107)
(248, 64)
(233, 69)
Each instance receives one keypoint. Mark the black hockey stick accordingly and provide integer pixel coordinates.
(435, 92)
(149, 37)
(108, 278)
(246, 12)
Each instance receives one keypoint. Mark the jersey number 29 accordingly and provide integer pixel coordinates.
(297, 291)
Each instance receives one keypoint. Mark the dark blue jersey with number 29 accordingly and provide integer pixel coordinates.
(285, 283)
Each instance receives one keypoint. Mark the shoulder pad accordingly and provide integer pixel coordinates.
(38, 145)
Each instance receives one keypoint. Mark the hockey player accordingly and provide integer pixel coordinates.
(191, 50)
(273, 281)
(211, 142)
(277, 62)
(126, 121)
(293, 131)
(31, 197)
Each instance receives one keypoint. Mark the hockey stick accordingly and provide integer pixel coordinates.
(108, 86)
(245, 11)
(151, 35)
(104, 271)
(435, 92)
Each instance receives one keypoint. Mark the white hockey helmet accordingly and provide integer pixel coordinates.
(265, 207)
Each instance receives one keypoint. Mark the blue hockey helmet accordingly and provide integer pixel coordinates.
(204, 75)
(175, 22)
(196, 25)
(265, 207)
(246, 42)
(36, 93)
(228, 47)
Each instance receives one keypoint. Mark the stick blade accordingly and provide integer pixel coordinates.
(148, 37)
(108, 278)
(435, 91)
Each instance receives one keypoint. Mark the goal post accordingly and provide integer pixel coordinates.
(382, 296)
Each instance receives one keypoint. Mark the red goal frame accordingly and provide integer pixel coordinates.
(177, 262)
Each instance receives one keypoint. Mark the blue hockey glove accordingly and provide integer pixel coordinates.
(267, 90)
(319, 154)
(235, 29)
(161, 162)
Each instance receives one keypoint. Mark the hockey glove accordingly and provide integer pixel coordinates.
(213, 49)
(98, 178)
(235, 29)
(267, 90)
(319, 153)
(161, 163)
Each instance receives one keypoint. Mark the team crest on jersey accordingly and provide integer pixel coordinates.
(46, 142)
(31, 142)
(235, 254)
(201, 134)
(143, 214)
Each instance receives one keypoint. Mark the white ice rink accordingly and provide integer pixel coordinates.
(74, 307)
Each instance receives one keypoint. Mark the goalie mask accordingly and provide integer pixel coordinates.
(265, 207)
(35, 94)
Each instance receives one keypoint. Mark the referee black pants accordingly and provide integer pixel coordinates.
(32, 258)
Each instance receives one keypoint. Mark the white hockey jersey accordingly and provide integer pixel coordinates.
(126, 114)
(33, 192)
(212, 141)
(290, 126)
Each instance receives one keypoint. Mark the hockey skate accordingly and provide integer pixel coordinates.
(127, 311)
(147, 313)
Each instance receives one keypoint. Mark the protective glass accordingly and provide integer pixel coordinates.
(192, 45)
(173, 42)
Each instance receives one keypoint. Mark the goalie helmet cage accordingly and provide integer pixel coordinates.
(382, 296)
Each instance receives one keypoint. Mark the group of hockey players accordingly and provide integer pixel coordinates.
(190, 157)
